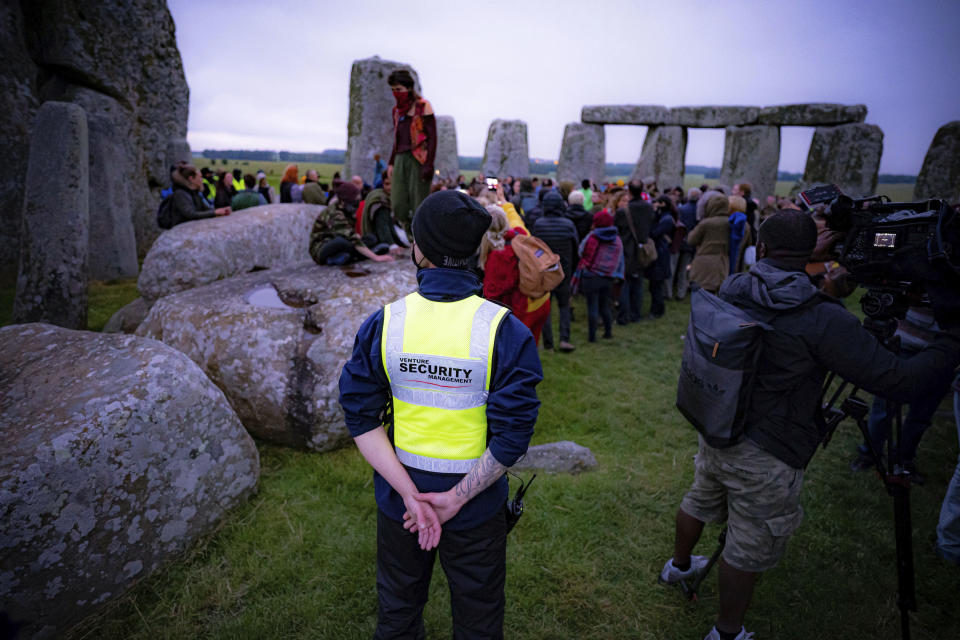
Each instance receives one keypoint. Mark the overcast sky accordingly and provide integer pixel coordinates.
(275, 75)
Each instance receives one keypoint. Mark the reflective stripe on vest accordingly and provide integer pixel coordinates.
(436, 356)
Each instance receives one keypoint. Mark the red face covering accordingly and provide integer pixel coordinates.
(404, 100)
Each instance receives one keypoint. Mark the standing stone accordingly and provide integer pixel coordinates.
(112, 237)
(18, 106)
(52, 280)
(178, 150)
(664, 150)
(370, 124)
(506, 152)
(56, 50)
(812, 115)
(847, 155)
(940, 175)
(118, 454)
(582, 153)
(752, 154)
(447, 162)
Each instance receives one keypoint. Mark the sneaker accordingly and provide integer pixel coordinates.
(672, 575)
(566, 346)
(715, 635)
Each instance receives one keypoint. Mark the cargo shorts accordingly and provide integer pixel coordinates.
(756, 494)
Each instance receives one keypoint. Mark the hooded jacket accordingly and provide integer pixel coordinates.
(711, 238)
(813, 333)
(560, 234)
(188, 203)
(605, 259)
(581, 219)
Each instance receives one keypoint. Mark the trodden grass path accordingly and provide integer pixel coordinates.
(298, 561)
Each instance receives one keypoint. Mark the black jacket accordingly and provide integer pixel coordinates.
(662, 234)
(641, 213)
(581, 218)
(558, 232)
(188, 204)
(688, 216)
(814, 334)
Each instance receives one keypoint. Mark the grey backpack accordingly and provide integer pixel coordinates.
(721, 351)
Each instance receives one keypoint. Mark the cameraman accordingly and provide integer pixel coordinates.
(754, 485)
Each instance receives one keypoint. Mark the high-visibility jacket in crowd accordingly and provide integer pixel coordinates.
(437, 357)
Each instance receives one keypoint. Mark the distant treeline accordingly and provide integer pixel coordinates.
(472, 163)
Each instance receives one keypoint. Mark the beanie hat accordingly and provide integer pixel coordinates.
(448, 227)
(347, 193)
(602, 219)
(789, 234)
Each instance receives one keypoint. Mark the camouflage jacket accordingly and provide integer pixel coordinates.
(332, 222)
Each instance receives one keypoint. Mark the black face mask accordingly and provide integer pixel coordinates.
(413, 259)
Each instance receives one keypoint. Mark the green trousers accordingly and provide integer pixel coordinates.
(407, 190)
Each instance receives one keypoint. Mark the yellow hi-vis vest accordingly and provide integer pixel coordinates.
(437, 358)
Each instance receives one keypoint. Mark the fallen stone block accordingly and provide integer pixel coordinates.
(119, 453)
(275, 341)
(204, 251)
(127, 318)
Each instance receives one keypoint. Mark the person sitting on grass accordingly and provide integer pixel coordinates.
(249, 197)
(333, 240)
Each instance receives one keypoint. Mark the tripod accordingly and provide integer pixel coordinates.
(895, 478)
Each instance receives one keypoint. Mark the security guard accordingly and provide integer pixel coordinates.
(440, 397)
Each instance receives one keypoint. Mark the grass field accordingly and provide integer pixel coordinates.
(298, 560)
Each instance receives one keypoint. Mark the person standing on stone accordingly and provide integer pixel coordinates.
(249, 197)
(287, 182)
(188, 202)
(414, 147)
(439, 459)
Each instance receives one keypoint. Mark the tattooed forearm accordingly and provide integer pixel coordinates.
(482, 475)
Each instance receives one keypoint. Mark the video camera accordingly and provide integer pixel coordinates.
(894, 249)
